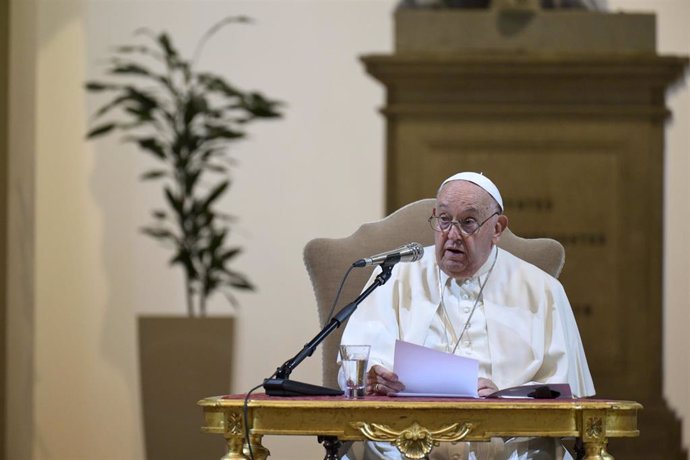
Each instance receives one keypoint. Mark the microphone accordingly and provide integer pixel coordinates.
(410, 252)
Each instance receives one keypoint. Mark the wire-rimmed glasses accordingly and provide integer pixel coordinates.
(466, 227)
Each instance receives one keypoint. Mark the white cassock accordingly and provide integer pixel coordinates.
(521, 329)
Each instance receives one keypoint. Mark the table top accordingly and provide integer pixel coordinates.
(479, 419)
(265, 401)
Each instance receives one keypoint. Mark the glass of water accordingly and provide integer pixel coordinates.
(354, 359)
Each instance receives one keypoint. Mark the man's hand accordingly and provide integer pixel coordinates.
(485, 387)
(381, 381)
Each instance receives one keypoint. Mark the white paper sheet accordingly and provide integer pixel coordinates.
(427, 372)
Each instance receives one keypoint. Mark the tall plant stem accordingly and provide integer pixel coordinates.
(202, 305)
(189, 296)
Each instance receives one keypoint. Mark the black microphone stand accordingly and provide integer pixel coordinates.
(280, 384)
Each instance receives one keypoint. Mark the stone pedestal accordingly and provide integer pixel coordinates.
(565, 111)
(550, 31)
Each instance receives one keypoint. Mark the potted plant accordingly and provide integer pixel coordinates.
(185, 119)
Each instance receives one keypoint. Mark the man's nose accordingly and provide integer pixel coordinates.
(454, 232)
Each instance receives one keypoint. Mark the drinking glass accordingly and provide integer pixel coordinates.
(354, 359)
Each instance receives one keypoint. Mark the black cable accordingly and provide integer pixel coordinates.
(245, 410)
(337, 295)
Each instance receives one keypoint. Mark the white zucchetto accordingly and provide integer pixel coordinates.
(480, 180)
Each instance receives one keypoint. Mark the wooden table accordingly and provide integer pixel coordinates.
(415, 425)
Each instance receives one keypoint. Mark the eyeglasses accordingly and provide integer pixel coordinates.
(466, 227)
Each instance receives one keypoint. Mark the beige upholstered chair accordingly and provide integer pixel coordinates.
(327, 260)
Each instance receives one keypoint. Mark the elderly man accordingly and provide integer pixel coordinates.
(468, 297)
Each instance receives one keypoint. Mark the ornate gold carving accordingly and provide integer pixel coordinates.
(235, 424)
(414, 441)
(594, 428)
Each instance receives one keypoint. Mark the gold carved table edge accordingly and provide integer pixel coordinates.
(415, 425)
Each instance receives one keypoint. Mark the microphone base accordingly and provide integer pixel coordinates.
(286, 387)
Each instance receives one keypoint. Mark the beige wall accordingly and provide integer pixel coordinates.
(317, 172)
(21, 211)
(4, 110)
(94, 273)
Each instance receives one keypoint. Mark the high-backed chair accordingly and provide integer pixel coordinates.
(328, 259)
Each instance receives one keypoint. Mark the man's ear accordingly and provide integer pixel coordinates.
(501, 224)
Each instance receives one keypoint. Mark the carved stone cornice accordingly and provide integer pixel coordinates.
(631, 85)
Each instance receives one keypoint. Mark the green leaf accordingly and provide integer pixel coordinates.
(194, 106)
(222, 132)
(238, 280)
(174, 202)
(151, 145)
(217, 84)
(217, 241)
(168, 48)
(97, 86)
(190, 180)
(143, 103)
(259, 106)
(143, 99)
(158, 233)
(230, 253)
(153, 175)
(183, 258)
(130, 69)
(141, 115)
(185, 144)
(242, 284)
(215, 193)
(100, 130)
